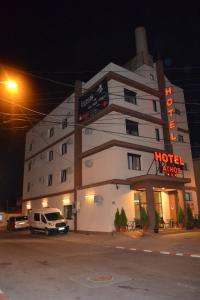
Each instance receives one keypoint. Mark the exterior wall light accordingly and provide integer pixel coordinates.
(66, 201)
(45, 203)
(28, 206)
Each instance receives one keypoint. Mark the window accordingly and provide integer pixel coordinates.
(132, 128)
(30, 147)
(64, 123)
(157, 134)
(130, 96)
(188, 196)
(185, 167)
(29, 165)
(180, 138)
(134, 162)
(64, 148)
(68, 212)
(36, 217)
(155, 106)
(43, 219)
(50, 155)
(28, 187)
(51, 132)
(63, 175)
(177, 111)
(50, 180)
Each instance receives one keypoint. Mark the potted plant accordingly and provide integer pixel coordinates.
(180, 217)
(117, 220)
(190, 219)
(157, 222)
(143, 219)
(124, 220)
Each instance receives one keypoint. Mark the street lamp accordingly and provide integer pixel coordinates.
(10, 84)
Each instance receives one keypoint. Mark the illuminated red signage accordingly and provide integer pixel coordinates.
(170, 110)
(171, 163)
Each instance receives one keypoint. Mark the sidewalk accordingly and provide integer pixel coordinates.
(183, 241)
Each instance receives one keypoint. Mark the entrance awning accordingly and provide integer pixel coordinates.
(157, 181)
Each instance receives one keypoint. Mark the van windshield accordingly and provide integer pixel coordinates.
(54, 216)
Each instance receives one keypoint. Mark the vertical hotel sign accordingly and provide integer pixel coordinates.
(171, 112)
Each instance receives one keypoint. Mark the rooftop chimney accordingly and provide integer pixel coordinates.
(142, 54)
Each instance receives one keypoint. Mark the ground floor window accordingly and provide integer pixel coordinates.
(139, 201)
(68, 212)
(158, 203)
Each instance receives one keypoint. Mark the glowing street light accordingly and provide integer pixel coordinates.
(11, 84)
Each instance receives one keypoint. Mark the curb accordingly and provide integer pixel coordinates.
(187, 254)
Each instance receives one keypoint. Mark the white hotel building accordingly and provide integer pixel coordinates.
(99, 150)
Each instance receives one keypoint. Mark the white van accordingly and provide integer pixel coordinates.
(47, 220)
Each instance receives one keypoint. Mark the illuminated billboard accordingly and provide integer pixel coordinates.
(92, 102)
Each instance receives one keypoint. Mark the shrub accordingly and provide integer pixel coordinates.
(143, 217)
(157, 219)
(190, 219)
(180, 216)
(124, 220)
(117, 220)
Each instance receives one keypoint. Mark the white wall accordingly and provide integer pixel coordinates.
(113, 164)
(94, 217)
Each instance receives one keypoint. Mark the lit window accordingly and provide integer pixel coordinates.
(134, 162)
(50, 155)
(188, 196)
(130, 96)
(64, 123)
(51, 132)
(180, 138)
(155, 106)
(50, 180)
(132, 128)
(157, 134)
(64, 148)
(63, 175)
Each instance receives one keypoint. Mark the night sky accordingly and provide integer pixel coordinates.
(68, 40)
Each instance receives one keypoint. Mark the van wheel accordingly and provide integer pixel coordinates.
(46, 232)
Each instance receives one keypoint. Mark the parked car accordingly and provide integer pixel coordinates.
(47, 220)
(18, 222)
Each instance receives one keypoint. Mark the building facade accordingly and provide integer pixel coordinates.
(120, 140)
(196, 162)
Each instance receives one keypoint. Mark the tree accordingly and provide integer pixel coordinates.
(143, 218)
(124, 220)
(180, 216)
(117, 220)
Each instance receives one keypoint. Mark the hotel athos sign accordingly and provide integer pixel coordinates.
(171, 163)
(170, 110)
(94, 101)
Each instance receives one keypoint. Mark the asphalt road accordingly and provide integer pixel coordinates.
(77, 267)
